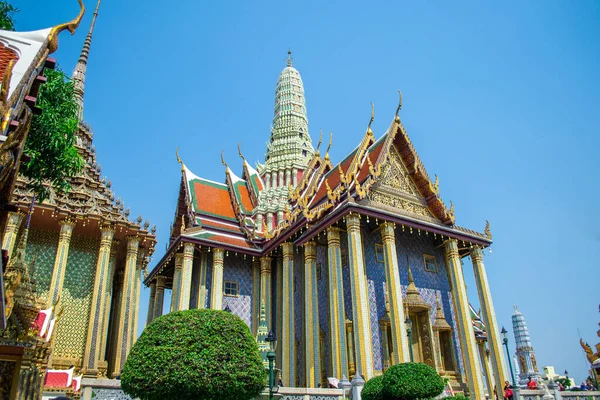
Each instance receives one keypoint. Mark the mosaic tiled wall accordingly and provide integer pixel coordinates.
(323, 293)
(41, 245)
(209, 273)
(299, 312)
(239, 270)
(195, 278)
(76, 297)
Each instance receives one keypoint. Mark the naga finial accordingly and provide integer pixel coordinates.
(223, 159)
(399, 107)
(369, 131)
(179, 159)
(240, 151)
(320, 141)
(487, 230)
(329, 147)
(70, 26)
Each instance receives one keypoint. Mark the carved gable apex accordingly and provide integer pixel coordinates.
(395, 190)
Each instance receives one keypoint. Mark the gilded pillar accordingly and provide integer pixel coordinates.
(489, 318)
(94, 353)
(60, 262)
(265, 288)
(108, 304)
(216, 292)
(13, 223)
(201, 297)
(278, 305)
(127, 304)
(176, 282)
(116, 310)
(485, 361)
(394, 292)
(255, 294)
(288, 332)
(136, 284)
(311, 327)
(159, 297)
(337, 320)
(185, 277)
(360, 298)
(151, 301)
(464, 323)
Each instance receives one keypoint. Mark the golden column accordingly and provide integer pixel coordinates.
(265, 288)
(60, 262)
(137, 282)
(360, 299)
(485, 360)
(176, 282)
(216, 291)
(311, 316)
(108, 303)
(278, 305)
(201, 297)
(394, 295)
(185, 277)
(288, 332)
(127, 304)
(151, 301)
(13, 223)
(489, 318)
(255, 294)
(159, 297)
(94, 353)
(337, 319)
(464, 323)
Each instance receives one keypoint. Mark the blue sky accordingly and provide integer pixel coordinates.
(500, 100)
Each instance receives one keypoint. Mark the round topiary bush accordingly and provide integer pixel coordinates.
(410, 381)
(195, 354)
(373, 389)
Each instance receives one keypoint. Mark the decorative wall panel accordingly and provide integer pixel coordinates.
(239, 270)
(41, 246)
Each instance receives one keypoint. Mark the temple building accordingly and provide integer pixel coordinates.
(84, 259)
(340, 256)
(524, 353)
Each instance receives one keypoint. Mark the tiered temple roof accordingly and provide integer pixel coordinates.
(381, 177)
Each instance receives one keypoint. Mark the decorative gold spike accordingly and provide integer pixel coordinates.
(70, 26)
(369, 131)
(240, 151)
(179, 159)
(320, 140)
(397, 118)
(487, 230)
(330, 142)
(223, 159)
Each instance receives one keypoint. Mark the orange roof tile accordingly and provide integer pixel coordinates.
(6, 56)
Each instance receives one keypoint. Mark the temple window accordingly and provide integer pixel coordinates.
(379, 253)
(231, 289)
(430, 263)
(303, 153)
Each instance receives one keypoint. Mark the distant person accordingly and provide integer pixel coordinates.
(589, 386)
(561, 388)
(531, 384)
(508, 393)
(583, 386)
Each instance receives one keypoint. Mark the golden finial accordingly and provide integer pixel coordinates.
(240, 151)
(329, 147)
(369, 131)
(487, 230)
(70, 26)
(320, 141)
(179, 159)
(410, 275)
(223, 159)
(397, 118)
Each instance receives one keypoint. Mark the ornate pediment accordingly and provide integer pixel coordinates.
(395, 190)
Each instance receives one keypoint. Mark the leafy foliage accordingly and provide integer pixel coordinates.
(50, 145)
(460, 396)
(195, 354)
(7, 16)
(563, 381)
(373, 389)
(411, 381)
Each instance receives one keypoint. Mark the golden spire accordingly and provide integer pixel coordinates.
(70, 26)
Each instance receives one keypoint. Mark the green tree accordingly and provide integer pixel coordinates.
(50, 147)
(373, 389)
(411, 381)
(7, 16)
(195, 354)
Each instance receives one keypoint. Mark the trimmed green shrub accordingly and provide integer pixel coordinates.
(460, 396)
(373, 389)
(195, 354)
(411, 381)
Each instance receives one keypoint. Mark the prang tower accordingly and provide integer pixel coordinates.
(527, 364)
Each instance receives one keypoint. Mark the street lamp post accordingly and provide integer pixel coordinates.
(408, 323)
(505, 341)
(567, 378)
(272, 342)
